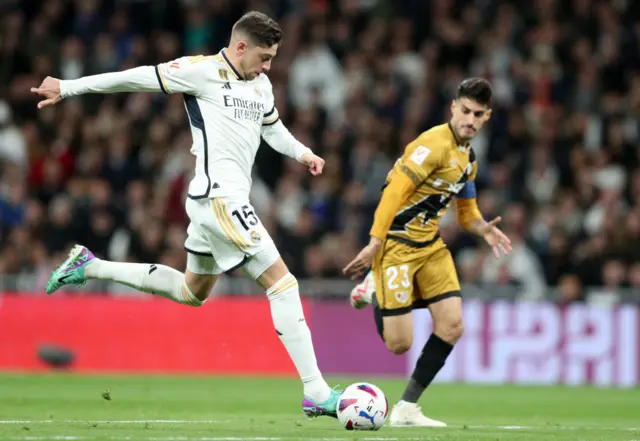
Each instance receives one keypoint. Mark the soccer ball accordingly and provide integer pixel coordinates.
(362, 406)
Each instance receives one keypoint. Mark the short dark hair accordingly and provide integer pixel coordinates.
(477, 89)
(259, 28)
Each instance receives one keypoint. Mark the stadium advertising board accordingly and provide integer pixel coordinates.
(541, 343)
(142, 334)
(520, 343)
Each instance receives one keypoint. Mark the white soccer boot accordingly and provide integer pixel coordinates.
(406, 414)
(361, 294)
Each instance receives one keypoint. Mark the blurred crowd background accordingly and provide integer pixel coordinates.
(355, 80)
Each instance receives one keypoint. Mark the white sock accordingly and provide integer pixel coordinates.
(154, 279)
(288, 319)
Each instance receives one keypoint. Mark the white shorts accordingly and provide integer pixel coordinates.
(225, 234)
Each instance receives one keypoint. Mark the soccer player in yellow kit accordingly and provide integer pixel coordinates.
(411, 266)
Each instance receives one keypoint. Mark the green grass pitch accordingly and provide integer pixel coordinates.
(159, 408)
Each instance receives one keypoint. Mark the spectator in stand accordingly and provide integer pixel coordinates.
(355, 80)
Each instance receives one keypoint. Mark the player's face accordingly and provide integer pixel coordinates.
(468, 117)
(255, 59)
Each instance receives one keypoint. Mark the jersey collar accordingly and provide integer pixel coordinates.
(230, 66)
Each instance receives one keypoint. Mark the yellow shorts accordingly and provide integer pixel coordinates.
(407, 278)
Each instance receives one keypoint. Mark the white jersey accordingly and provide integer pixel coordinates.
(228, 115)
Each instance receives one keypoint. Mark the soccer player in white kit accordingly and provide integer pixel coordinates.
(230, 104)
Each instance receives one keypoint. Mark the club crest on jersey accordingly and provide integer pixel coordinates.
(420, 154)
(402, 296)
(255, 236)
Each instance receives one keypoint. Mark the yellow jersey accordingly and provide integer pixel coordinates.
(439, 167)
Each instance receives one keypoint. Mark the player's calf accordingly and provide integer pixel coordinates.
(152, 278)
(82, 265)
(447, 319)
(397, 332)
(290, 325)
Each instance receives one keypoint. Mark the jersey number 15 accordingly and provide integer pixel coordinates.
(246, 216)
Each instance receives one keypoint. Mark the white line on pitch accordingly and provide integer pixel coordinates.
(115, 421)
(161, 421)
(164, 438)
(53, 437)
(549, 427)
(184, 438)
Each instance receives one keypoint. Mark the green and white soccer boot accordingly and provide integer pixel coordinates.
(71, 272)
(329, 407)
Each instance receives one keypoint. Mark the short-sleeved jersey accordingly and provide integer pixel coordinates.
(440, 168)
(226, 114)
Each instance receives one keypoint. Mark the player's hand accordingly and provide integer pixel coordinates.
(363, 260)
(499, 241)
(314, 162)
(50, 89)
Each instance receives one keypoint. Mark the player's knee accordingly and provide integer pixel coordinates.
(450, 329)
(285, 286)
(199, 275)
(200, 285)
(190, 293)
(398, 333)
(276, 274)
(399, 345)
(457, 329)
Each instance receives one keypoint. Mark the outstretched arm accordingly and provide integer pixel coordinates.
(138, 79)
(181, 75)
